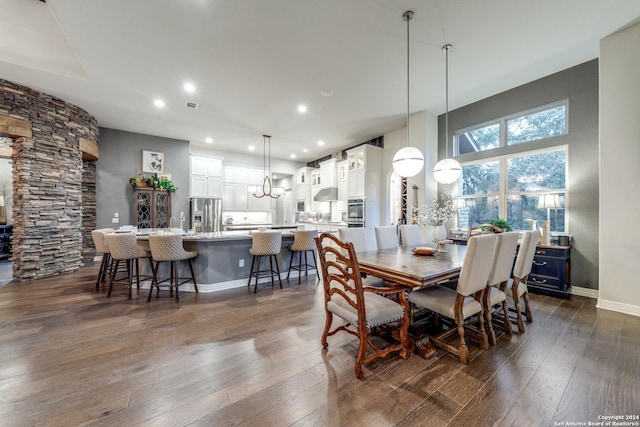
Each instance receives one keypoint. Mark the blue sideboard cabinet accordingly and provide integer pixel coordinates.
(5, 241)
(550, 271)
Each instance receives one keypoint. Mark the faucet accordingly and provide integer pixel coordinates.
(171, 221)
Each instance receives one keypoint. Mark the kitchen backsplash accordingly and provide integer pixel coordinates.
(246, 218)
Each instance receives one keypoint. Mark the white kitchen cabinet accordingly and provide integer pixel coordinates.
(214, 186)
(328, 173)
(205, 176)
(341, 170)
(235, 174)
(198, 186)
(255, 176)
(258, 204)
(356, 184)
(234, 197)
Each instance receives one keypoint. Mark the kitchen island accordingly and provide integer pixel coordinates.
(223, 260)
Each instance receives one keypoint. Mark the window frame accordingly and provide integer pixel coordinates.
(503, 193)
(502, 122)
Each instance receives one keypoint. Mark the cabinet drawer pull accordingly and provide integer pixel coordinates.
(541, 252)
(539, 281)
(540, 264)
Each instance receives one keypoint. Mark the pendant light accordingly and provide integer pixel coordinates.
(447, 171)
(408, 161)
(267, 187)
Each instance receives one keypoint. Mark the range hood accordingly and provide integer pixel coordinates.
(326, 195)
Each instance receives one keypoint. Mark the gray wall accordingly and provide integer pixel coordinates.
(121, 158)
(579, 85)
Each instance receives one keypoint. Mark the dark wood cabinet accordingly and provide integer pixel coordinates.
(550, 271)
(151, 208)
(5, 241)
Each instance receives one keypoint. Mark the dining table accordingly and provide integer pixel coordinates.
(402, 266)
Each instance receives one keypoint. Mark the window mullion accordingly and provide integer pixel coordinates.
(502, 202)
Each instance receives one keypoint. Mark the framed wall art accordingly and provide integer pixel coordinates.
(152, 161)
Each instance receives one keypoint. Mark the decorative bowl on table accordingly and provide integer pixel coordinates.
(424, 250)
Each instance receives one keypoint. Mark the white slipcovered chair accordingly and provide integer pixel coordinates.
(387, 237)
(517, 286)
(503, 256)
(410, 235)
(465, 301)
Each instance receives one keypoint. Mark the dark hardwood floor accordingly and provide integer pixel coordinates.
(72, 357)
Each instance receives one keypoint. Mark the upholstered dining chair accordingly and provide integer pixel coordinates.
(169, 248)
(124, 248)
(362, 241)
(517, 286)
(387, 237)
(360, 238)
(503, 256)
(100, 242)
(265, 243)
(303, 243)
(465, 301)
(360, 308)
(410, 235)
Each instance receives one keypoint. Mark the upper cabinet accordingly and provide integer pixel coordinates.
(205, 176)
(328, 173)
(364, 164)
(341, 170)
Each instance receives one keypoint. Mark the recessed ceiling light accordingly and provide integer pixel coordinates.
(293, 156)
(326, 92)
(251, 148)
(208, 140)
(304, 150)
(158, 103)
(189, 87)
(302, 108)
(321, 143)
(274, 176)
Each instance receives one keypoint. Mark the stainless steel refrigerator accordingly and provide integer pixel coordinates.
(208, 213)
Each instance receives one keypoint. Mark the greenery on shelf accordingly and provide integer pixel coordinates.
(152, 182)
(501, 223)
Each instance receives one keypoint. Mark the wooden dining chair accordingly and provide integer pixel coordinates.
(410, 235)
(503, 256)
(516, 288)
(465, 302)
(360, 307)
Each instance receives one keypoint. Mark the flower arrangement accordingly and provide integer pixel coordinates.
(435, 214)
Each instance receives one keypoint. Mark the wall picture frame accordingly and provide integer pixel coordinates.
(152, 161)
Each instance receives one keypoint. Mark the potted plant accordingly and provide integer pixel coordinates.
(500, 223)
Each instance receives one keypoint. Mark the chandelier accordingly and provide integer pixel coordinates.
(267, 188)
(408, 161)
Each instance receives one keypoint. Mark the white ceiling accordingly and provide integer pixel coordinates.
(254, 61)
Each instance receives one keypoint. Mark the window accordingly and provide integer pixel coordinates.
(511, 186)
(544, 122)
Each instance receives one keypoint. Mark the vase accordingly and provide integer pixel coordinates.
(439, 233)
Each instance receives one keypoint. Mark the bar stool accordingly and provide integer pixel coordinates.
(100, 243)
(265, 243)
(169, 248)
(124, 247)
(302, 244)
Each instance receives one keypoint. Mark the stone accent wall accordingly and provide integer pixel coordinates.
(48, 183)
(88, 210)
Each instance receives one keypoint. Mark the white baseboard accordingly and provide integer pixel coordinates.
(620, 307)
(214, 287)
(585, 292)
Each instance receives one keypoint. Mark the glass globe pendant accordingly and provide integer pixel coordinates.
(408, 161)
